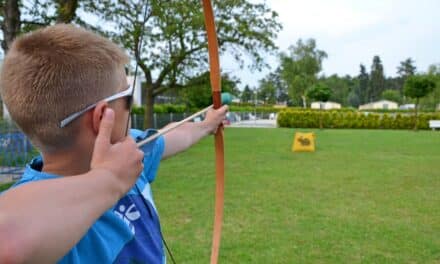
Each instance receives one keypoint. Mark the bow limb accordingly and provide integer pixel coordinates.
(214, 65)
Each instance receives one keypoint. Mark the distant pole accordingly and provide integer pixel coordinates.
(255, 106)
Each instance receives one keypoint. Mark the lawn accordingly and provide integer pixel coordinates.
(5, 186)
(365, 196)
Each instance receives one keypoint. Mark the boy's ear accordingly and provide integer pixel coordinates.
(98, 112)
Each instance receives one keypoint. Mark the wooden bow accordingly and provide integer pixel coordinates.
(215, 77)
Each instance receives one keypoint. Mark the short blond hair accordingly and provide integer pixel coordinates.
(53, 72)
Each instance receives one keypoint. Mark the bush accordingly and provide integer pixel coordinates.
(161, 108)
(138, 110)
(348, 119)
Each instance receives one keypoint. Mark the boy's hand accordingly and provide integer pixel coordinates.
(122, 160)
(215, 117)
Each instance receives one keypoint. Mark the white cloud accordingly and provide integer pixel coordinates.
(352, 32)
(329, 18)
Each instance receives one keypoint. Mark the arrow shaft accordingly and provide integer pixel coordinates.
(167, 129)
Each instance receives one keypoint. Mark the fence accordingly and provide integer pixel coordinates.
(162, 119)
(159, 120)
(15, 151)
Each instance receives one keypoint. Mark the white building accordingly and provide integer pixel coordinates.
(137, 94)
(407, 107)
(6, 113)
(382, 104)
(325, 105)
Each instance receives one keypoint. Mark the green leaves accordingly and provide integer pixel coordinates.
(299, 68)
(198, 92)
(392, 95)
(174, 47)
(418, 86)
(377, 80)
(295, 118)
(319, 92)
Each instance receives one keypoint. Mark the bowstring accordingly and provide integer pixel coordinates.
(139, 49)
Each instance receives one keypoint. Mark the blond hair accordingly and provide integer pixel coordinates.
(53, 72)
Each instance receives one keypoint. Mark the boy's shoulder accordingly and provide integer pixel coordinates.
(153, 152)
(154, 147)
(142, 134)
(33, 172)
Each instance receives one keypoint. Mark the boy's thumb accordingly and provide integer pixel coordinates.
(106, 126)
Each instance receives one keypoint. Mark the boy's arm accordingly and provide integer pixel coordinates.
(41, 221)
(186, 135)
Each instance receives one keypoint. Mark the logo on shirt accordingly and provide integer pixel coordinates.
(142, 221)
(128, 214)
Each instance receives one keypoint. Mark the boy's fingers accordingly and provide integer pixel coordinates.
(224, 108)
(106, 126)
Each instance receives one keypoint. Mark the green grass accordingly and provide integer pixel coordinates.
(5, 186)
(365, 196)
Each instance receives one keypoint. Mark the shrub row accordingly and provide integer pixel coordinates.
(169, 108)
(391, 111)
(239, 108)
(162, 108)
(271, 109)
(337, 119)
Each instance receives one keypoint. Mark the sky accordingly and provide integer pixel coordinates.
(351, 32)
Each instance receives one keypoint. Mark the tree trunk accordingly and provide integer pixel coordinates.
(149, 107)
(66, 10)
(11, 23)
(320, 115)
(1, 108)
(416, 119)
(303, 97)
(10, 28)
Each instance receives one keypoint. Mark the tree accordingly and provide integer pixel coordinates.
(353, 99)
(246, 95)
(340, 87)
(434, 69)
(392, 95)
(66, 10)
(432, 100)
(377, 79)
(10, 26)
(300, 67)
(404, 70)
(268, 89)
(418, 86)
(173, 38)
(320, 93)
(12, 23)
(199, 96)
(277, 88)
(18, 17)
(362, 92)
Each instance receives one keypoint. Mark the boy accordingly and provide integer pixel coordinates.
(66, 88)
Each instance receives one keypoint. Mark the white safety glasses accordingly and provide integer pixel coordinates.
(126, 93)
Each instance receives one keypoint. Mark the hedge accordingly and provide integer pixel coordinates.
(162, 108)
(391, 111)
(239, 108)
(338, 119)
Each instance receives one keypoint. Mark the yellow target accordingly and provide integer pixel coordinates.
(303, 142)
